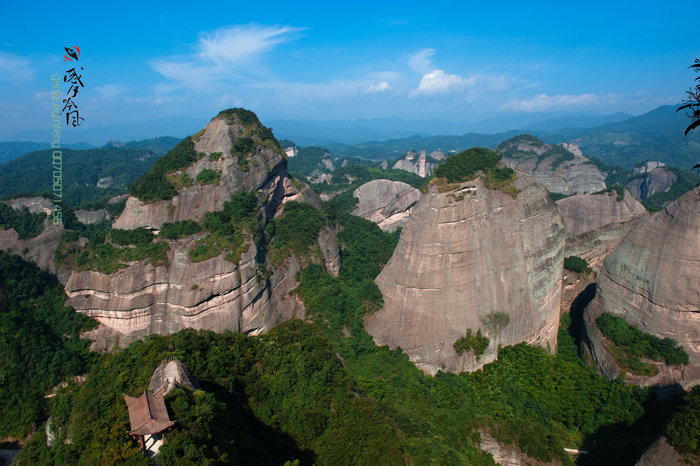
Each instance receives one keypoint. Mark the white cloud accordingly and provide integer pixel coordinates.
(219, 55)
(379, 87)
(239, 43)
(543, 102)
(420, 62)
(437, 81)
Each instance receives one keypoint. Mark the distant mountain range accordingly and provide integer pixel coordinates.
(656, 135)
(10, 150)
(310, 132)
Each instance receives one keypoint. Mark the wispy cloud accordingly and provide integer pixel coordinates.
(379, 87)
(240, 43)
(421, 61)
(221, 55)
(544, 102)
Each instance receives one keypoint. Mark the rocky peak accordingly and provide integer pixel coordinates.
(233, 153)
(473, 258)
(210, 271)
(560, 168)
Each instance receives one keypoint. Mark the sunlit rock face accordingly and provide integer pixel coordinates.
(652, 280)
(596, 223)
(463, 256)
(561, 169)
(39, 249)
(249, 295)
(386, 203)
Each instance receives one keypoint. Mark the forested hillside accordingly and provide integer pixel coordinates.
(117, 168)
(322, 392)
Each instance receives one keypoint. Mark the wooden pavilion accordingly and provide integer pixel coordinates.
(148, 416)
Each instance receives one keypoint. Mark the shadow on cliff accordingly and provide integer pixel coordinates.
(621, 443)
(577, 329)
(254, 442)
(624, 444)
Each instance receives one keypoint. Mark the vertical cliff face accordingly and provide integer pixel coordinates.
(241, 291)
(386, 203)
(464, 256)
(652, 280)
(40, 248)
(596, 223)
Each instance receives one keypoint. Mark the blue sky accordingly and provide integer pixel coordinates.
(455, 61)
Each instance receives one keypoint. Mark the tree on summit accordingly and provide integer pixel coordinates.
(692, 103)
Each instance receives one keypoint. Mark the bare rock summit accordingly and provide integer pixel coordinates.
(474, 258)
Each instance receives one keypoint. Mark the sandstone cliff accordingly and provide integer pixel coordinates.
(596, 223)
(417, 163)
(39, 249)
(661, 453)
(652, 179)
(652, 280)
(386, 203)
(463, 256)
(561, 169)
(247, 294)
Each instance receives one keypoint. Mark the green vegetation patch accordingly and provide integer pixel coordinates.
(465, 166)
(208, 176)
(26, 224)
(179, 180)
(629, 345)
(107, 259)
(296, 232)
(39, 344)
(115, 209)
(229, 229)
(153, 185)
(477, 343)
(179, 229)
(577, 264)
(684, 428)
(136, 236)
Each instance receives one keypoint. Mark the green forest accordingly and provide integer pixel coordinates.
(317, 391)
(82, 169)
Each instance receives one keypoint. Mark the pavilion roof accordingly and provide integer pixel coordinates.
(147, 414)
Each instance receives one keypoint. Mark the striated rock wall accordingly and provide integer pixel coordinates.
(652, 180)
(652, 279)
(530, 154)
(41, 248)
(386, 203)
(584, 213)
(416, 163)
(596, 223)
(466, 254)
(250, 296)
(214, 294)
